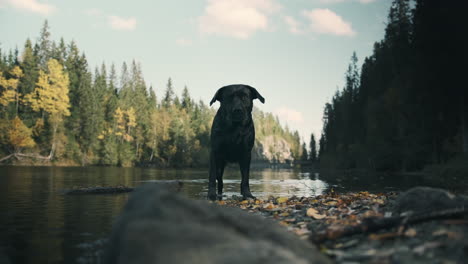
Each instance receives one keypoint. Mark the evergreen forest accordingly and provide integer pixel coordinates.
(406, 107)
(55, 110)
(403, 109)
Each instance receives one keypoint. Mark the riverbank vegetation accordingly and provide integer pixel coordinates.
(406, 107)
(54, 110)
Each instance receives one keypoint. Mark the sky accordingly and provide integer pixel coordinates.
(294, 52)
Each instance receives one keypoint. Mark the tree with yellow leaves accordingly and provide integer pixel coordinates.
(131, 119)
(51, 97)
(19, 135)
(125, 121)
(9, 88)
(51, 92)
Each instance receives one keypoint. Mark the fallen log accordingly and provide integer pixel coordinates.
(99, 190)
(19, 156)
(7, 157)
(172, 186)
(34, 156)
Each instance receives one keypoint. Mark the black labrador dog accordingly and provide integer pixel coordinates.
(232, 136)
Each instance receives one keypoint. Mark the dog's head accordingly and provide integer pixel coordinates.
(237, 101)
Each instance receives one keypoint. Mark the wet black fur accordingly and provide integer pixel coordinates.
(232, 136)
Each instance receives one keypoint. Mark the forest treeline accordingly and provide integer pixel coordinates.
(55, 110)
(406, 107)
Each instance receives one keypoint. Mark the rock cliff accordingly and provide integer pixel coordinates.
(272, 149)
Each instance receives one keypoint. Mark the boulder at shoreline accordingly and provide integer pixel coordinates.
(424, 199)
(158, 226)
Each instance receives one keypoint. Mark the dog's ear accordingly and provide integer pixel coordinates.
(218, 96)
(256, 94)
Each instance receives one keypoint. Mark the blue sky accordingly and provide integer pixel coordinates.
(295, 52)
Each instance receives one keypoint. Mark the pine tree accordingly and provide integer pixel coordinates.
(186, 100)
(296, 145)
(142, 110)
(313, 149)
(322, 147)
(76, 66)
(3, 65)
(168, 95)
(125, 87)
(152, 100)
(92, 104)
(30, 69)
(112, 93)
(109, 145)
(304, 154)
(59, 52)
(44, 46)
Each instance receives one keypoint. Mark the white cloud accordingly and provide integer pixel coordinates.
(120, 23)
(325, 21)
(31, 6)
(237, 18)
(183, 42)
(294, 25)
(115, 22)
(93, 12)
(331, 1)
(289, 115)
(341, 1)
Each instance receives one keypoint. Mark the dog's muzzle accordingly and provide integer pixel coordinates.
(237, 115)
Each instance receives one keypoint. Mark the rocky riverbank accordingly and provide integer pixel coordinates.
(422, 225)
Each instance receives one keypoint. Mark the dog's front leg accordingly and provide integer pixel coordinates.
(219, 177)
(244, 165)
(212, 177)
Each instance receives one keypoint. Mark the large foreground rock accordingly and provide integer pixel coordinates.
(158, 226)
(427, 199)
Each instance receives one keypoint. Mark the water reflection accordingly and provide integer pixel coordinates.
(262, 183)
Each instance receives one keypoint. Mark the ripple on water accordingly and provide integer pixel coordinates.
(262, 188)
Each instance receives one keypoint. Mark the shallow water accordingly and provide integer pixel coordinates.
(38, 224)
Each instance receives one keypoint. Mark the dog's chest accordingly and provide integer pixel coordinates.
(233, 152)
(236, 144)
(237, 137)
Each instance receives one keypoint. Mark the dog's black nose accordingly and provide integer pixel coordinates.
(237, 114)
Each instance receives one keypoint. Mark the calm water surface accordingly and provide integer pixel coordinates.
(38, 224)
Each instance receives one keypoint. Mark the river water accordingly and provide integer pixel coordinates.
(39, 224)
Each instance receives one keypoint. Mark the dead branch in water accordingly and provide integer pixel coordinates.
(375, 224)
(21, 155)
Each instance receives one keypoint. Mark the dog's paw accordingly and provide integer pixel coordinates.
(248, 196)
(212, 196)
